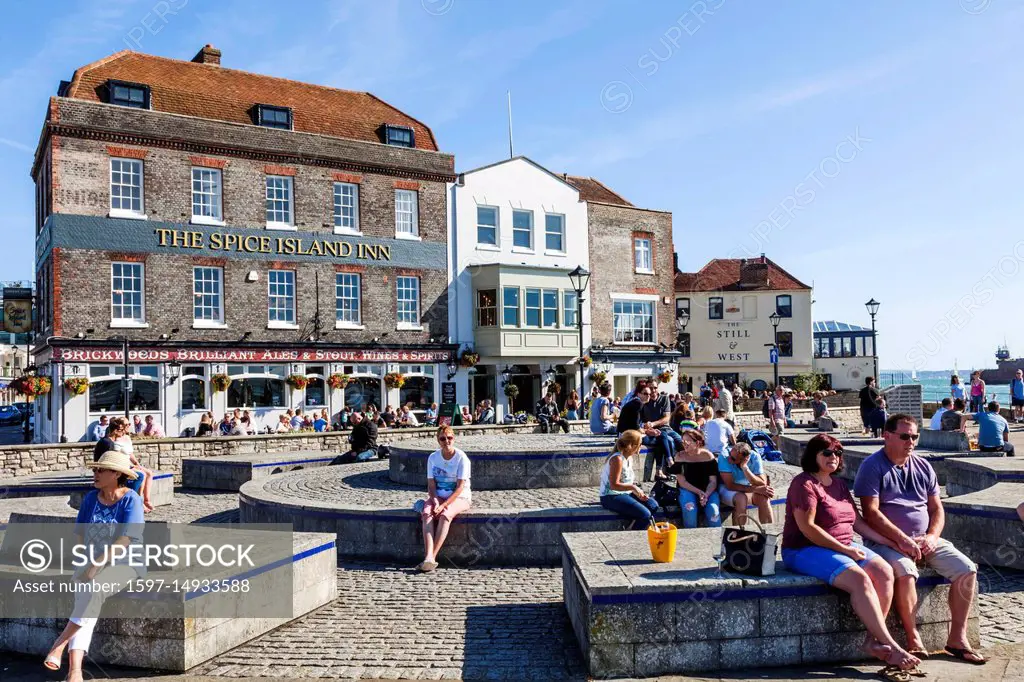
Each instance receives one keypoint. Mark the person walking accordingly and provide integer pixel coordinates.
(977, 392)
(724, 402)
(956, 389)
(777, 412)
(1017, 396)
(868, 401)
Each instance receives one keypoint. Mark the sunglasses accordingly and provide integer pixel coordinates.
(909, 436)
(832, 453)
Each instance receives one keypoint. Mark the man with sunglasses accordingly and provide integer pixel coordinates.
(899, 496)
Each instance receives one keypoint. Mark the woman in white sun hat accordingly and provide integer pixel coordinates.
(111, 514)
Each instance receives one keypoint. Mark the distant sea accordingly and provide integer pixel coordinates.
(935, 385)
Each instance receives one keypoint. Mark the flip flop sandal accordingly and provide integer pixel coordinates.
(916, 672)
(894, 674)
(919, 653)
(962, 654)
(428, 566)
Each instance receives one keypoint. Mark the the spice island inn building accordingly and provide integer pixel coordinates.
(234, 226)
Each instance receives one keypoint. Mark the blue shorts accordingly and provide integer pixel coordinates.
(821, 563)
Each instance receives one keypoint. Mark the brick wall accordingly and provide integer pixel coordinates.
(86, 274)
(82, 279)
(611, 262)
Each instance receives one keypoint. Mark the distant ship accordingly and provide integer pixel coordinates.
(1006, 367)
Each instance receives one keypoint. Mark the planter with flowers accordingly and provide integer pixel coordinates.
(598, 376)
(76, 385)
(297, 381)
(469, 358)
(337, 381)
(394, 380)
(220, 382)
(586, 361)
(31, 386)
(665, 377)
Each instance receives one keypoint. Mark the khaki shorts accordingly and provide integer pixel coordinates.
(947, 560)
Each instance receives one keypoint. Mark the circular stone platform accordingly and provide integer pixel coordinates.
(373, 517)
(503, 463)
(969, 475)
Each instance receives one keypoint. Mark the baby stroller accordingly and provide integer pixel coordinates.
(762, 442)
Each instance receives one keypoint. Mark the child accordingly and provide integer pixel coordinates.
(877, 417)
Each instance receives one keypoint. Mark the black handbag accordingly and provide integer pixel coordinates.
(749, 552)
(665, 494)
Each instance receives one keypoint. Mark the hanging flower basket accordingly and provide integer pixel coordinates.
(394, 380)
(586, 361)
(220, 382)
(31, 386)
(76, 385)
(665, 377)
(683, 377)
(337, 381)
(297, 381)
(598, 376)
(469, 358)
(511, 390)
(554, 388)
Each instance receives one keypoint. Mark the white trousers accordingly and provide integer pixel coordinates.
(88, 603)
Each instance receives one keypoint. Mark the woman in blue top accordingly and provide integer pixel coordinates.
(110, 515)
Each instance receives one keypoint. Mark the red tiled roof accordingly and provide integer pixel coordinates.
(592, 189)
(214, 92)
(723, 274)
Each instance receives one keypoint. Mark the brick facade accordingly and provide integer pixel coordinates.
(613, 229)
(83, 276)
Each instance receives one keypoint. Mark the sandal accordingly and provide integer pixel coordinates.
(919, 653)
(428, 566)
(962, 654)
(52, 663)
(893, 673)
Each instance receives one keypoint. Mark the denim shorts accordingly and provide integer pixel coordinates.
(822, 563)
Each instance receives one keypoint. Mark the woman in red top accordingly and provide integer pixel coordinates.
(817, 540)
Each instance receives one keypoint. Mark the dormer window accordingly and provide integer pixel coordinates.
(273, 117)
(399, 136)
(125, 94)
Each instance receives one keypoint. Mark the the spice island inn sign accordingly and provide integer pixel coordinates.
(255, 243)
(144, 354)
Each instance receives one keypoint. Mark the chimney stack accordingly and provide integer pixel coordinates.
(208, 55)
(753, 274)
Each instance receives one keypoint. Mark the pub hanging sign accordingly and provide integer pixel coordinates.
(17, 310)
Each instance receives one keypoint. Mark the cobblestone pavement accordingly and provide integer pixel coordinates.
(367, 485)
(498, 623)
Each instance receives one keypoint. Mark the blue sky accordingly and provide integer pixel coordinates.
(870, 148)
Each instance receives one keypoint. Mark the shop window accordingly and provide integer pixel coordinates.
(785, 344)
(256, 392)
(417, 390)
(193, 388)
(106, 391)
(487, 307)
(362, 392)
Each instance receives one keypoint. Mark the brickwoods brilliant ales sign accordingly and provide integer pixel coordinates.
(280, 246)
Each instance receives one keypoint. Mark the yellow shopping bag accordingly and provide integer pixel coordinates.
(662, 539)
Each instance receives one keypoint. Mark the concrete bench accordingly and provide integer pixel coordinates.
(636, 618)
(541, 461)
(76, 484)
(969, 475)
(985, 525)
(373, 519)
(230, 472)
(178, 630)
(947, 441)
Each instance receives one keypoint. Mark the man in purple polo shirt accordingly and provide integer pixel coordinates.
(899, 495)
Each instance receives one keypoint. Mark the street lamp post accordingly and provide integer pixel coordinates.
(872, 307)
(775, 318)
(580, 277)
